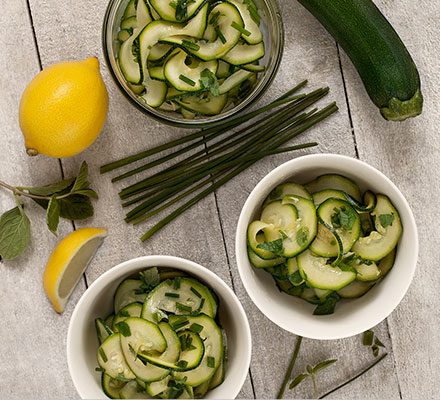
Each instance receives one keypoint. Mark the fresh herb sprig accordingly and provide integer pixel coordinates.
(370, 339)
(68, 198)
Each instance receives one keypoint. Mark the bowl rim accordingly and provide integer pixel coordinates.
(240, 243)
(199, 271)
(209, 120)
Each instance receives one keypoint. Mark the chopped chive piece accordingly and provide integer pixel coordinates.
(240, 29)
(179, 323)
(190, 45)
(195, 291)
(186, 342)
(196, 328)
(214, 18)
(187, 80)
(202, 303)
(99, 369)
(182, 364)
(183, 307)
(177, 283)
(211, 361)
(220, 34)
(171, 294)
(367, 339)
(103, 355)
(123, 328)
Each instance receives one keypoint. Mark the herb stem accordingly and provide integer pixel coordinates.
(19, 192)
(354, 377)
(289, 371)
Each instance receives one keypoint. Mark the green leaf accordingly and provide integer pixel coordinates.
(295, 279)
(123, 328)
(322, 365)
(297, 380)
(344, 217)
(50, 189)
(74, 207)
(81, 180)
(328, 306)
(275, 247)
(209, 81)
(53, 214)
(88, 193)
(302, 236)
(150, 279)
(367, 338)
(377, 342)
(181, 9)
(15, 233)
(386, 220)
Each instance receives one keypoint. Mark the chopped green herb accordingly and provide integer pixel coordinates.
(209, 81)
(159, 315)
(187, 80)
(253, 11)
(367, 338)
(239, 28)
(183, 308)
(196, 292)
(344, 217)
(220, 34)
(171, 294)
(150, 279)
(182, 363)
(377, 342)
(173, 4)
(275, 246)
(302, 236)
(179, 323)
(296, 290)
(102, 354)
(210, 361)
(181, 9)
(295, 279)
(190, 45)
(124, 313)
(199, 308)
(386, 220)
(121, 377)
(328, 306)
(214, 18)
(186, 342)
(283, 234)
(123, 328)
(99, 369)
(196, 328)
(176, 283)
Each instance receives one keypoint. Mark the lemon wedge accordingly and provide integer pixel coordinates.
(68, 262)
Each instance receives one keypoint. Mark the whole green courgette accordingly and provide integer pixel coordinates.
(376, 50)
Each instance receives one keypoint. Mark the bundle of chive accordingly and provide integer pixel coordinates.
(201, 173)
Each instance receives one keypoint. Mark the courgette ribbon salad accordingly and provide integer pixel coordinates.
(191, 56)
(324, 241)
(163, 339)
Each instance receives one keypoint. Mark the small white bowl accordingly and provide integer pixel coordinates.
(97, 301)
(351, 317)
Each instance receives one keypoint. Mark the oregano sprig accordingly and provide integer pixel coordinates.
(68, 198)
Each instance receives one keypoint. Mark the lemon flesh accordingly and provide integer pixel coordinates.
(68, 262)
(63, 109)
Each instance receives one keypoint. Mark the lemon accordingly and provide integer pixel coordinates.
(68, 262)
(63, 109)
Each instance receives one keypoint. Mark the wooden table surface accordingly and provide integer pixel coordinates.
(37, 33)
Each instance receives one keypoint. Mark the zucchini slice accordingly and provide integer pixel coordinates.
(323, 195)
(280, 216)
(335, 182)
(143, 17)
(219, 375)
(201, 390)
(177, 13)
(111, 386)
(179, 296)
(209, 105)
(223, 69)
(131, 310)
(130, 10)
(212, 338)
(156, 93)
(388, 229)
(243, 53)
(157, 73)
(103, 331)
(234, 80)
(288, 189)
(111, 359)
(253, 34)
(128, 61)
(160, 51)
(186, 77)
(129, 23)
(322, 294)
(355, 289)
(387, 263)
(367, 272)
(156, 388)
(309, 295)
(132, 390)
(124, 34)
(320, 275)
(255, 236)
(259, 262)
(253, 67)
(126, 293)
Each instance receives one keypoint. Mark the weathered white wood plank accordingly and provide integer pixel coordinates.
(409, 154)
(310, 53)
(74, 32)
(32, 335)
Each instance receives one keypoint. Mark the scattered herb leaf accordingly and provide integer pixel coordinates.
(210, 361)
(150, 279)
(367, 338)
(123, 329)
(171, 294)
(209, 81)
(103, 355)
(328, 306)
(344, 217)
(15, 233)
(302, 236)
(53, 214)
(196, 328)
(386, 220)
(276, 247)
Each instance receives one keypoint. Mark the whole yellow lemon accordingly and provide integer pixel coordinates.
(63, 109)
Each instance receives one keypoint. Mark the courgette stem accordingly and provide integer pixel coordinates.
(319, 116)
(285, 98)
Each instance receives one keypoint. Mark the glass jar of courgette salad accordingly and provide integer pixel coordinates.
(192, 63)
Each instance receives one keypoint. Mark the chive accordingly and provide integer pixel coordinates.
(285, 98)
(183, 307)
(367, 338)
(214, 19)
(196, 328)
(190, 45)
(240, 29)
(123, 328)
(202, 303)
(176, 283)
(99, 369)
(102, 354)
(179, 323)
(196, 292)
(171, 294)
(220, 34)
(187, 80)
(210, 361)
(182, 363)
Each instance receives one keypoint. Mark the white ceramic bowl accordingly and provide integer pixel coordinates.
(97, 301)
(351, 316)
